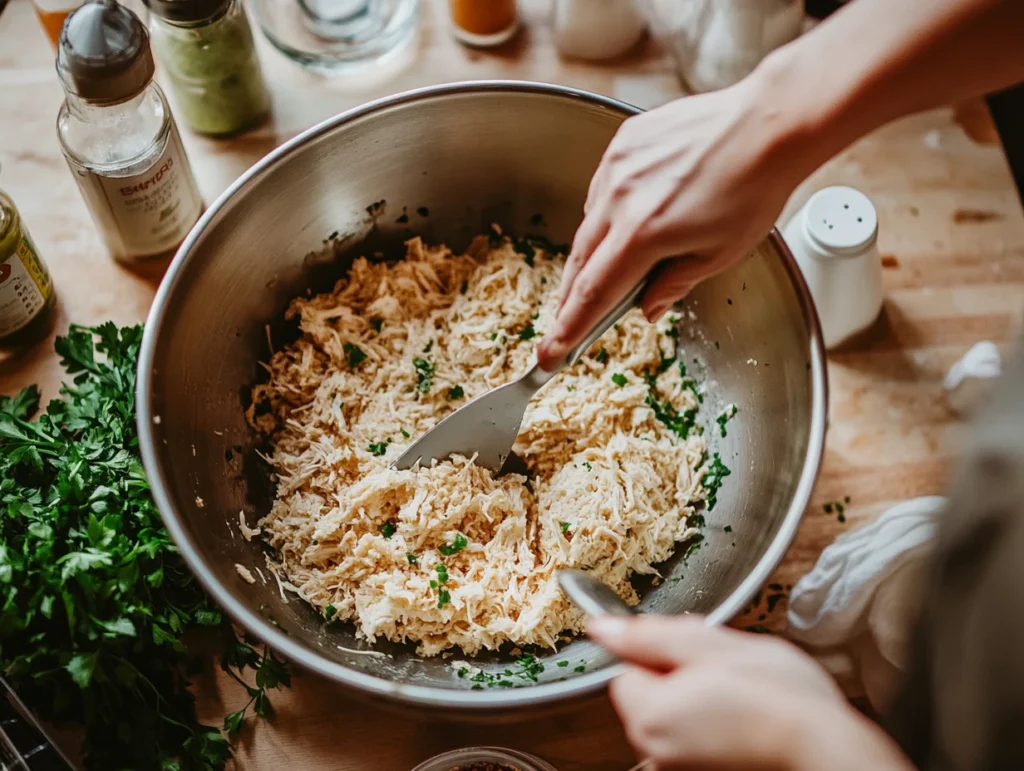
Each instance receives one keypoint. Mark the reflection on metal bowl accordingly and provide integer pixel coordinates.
(446, 162)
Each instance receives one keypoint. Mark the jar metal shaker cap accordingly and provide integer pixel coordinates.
(187, 11)
(104, 55)
(841, 221)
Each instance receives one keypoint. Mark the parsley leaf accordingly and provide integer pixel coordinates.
(602, 356)
(425, 369)
(712, 480)
(377, 324)
(354, 354)
(459, 543)
(724, 417)
(388, 529)
(528, 332)
(95, 599)
(378, 448)
(456, 392)
(619, 379)
(443, 595)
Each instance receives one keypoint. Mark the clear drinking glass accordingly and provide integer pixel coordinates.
(338, 36)
(716, 43)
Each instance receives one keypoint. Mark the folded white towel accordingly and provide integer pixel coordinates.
(969, 380)
(856, 608)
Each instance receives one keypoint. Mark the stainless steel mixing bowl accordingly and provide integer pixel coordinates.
(446, 162)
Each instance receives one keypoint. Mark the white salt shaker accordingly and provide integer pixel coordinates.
(834, 239)
(597, 29)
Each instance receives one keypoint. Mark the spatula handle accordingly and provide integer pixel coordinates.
(627, 303)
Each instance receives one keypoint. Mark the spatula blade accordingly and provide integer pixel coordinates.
(487, 426)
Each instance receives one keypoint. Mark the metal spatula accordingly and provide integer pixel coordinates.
(489, 424)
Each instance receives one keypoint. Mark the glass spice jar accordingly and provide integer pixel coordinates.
(119, 137)
(207, 52)
(27, 296)
(484, 23)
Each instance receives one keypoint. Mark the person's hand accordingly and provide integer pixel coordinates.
(701, 697)
(701, 180)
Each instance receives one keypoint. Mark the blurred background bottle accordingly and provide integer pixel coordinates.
(484, 23)
(52, 14)
(26, 290)
(206, 50)
(119, 137)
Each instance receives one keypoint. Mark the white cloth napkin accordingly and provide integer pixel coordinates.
(969, 380)
(856, 608)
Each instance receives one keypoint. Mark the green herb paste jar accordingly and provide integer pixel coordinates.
(206, 50)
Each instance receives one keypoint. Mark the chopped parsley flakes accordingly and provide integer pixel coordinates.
(405, 434)
(713, 477)
(443, 596)
(329, 612)
(388, 529)
(413, 559)
(587, 466)
(690, 384)
(838, 507)
(565, 526)
(528, 332)
(526, 249)
(458, 544)
(619, 379)
(456, 392)
(527, 671)
(377, 324)
(425, 369)
(379, 448)
(354, 354)
(680, 425)
(602, 356)
(726, 415)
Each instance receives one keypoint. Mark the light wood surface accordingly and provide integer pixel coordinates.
(950, 226)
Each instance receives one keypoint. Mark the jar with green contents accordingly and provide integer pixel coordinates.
(206, 50)
(26, 289)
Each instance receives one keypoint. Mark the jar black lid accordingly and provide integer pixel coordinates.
(104, 55)
(187, 11)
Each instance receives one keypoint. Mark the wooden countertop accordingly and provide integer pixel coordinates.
(950, 225)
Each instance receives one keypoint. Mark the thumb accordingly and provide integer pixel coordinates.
(659, 643)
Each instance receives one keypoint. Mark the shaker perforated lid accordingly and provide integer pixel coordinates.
(841, 221)
(104, 55)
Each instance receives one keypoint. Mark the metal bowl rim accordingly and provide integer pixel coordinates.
(429, 696)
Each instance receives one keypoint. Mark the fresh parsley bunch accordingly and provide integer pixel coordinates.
(95, 597)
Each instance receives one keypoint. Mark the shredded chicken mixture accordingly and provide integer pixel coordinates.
(450, 555)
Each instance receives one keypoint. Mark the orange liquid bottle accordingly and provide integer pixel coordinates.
(52, 18)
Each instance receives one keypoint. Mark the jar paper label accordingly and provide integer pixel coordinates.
(24, 290)
(154, 210)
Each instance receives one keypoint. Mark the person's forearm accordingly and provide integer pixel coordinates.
(877, 60)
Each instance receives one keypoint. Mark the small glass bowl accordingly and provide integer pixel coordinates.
(329, 38)
(469, 755)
